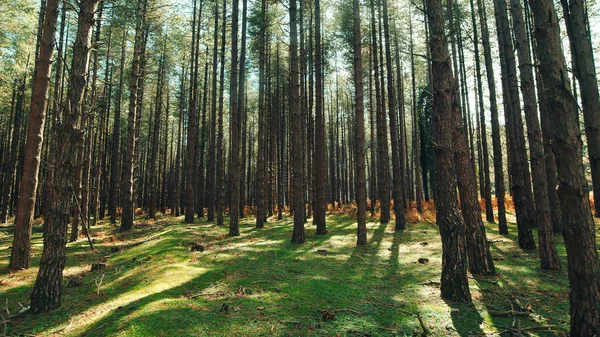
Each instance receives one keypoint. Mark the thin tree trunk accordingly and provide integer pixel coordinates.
(298, 235)
(135, 91)
(319, 158)
(548, 256)
(496, 143)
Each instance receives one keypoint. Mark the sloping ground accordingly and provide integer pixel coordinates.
(259, 284)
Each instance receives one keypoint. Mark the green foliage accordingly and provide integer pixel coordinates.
(271, 287)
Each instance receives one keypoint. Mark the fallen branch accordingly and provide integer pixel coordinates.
(218, 292)
(342, 310)
(430, 283)
(484, 280)
(509, 313)
(425, 330)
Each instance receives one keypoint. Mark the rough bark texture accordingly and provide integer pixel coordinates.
(20, 256)
(548, 256)
(455, 285)
(133, 119)
(298, 235)
(585, 71)
(46, 293)
(397, 190)
(517, 157)
(261, 166)
(496, 144)
(319, 153)
(361, 184)
(485, 168)
(578, 232)
(192, 129)
(382, 149)
(234, 126)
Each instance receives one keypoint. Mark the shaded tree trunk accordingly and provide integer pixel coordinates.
(135, 91)
(298, 235)
(454, 282)
(319, 156)
(46, 292)
(583, 264)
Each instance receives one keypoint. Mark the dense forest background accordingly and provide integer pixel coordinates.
(124, 118)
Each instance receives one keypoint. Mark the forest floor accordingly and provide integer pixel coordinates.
(259, 284)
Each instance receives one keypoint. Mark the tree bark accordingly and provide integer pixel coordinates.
(319, 156)
(46, 293)
(496, 143)
(454, 282)
(585, 71)
(583, 264)
(361, 186)
(397, 190)
(133, 118)
(548, 256)
(20, 257)
(298, 235)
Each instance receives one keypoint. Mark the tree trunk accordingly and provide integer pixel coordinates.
(133, 118)
(319, 157)
(234, 125)
(20, 257)
(455, 285)
(298, 235)
(46, 293)
(496, 143)
(585, 70)
(518, 168)
(548, 256)
(382, 152)
(583, 264)
(397, 190)
(361, 186)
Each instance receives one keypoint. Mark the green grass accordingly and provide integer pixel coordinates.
(275, 288)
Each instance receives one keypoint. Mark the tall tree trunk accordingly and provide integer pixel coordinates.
(20, 256)
(485, 169)
(455, 285)
(361, 186)
(579, 229)
(298, 235)
(46, 293)
(548, 256)
(10, 166)
(242, 116)
(382, 152)
(518, 167)
(319, 157)
(234, 125)
(585, 71)
(220, 180)
(116, 138)
(211, 171)
(397, 190)
(261, 166)
(135, 92)
(496, 143)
